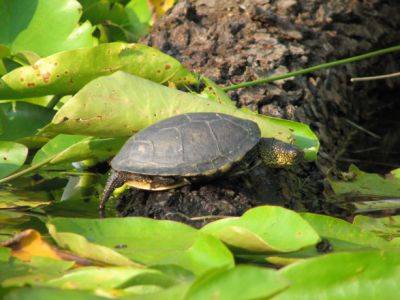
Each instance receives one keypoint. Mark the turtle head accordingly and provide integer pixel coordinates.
(277, 154)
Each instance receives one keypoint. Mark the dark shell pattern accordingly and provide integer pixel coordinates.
(188, 145)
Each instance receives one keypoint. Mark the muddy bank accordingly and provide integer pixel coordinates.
(234, 41)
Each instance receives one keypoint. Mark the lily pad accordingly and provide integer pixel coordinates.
(344, 235)
(143, 240)
(12, 157)
(122, 104)
(241, 282)
(81, 246)
(358, 275)
(25, 25)
(40, 293)
(40, 269)
(92, 278)
(265, 229)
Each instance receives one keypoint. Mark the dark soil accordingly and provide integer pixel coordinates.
(233, 41)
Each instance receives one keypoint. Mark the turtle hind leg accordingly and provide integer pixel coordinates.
(115, 180)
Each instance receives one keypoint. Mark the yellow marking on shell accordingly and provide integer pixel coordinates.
(225, 168)
(150, 186)
(209, 172)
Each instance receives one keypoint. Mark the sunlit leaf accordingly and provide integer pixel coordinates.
(67, 72)
(176, 292)
(213, 91)
(396, 173)
(82, 247)
(344, 235)
(386, 227)
(40, 293)
(12, 157)
(5, 254)
(30, 243)
(121, 104)
(43, 26)
(139, 14)
(40, 269)
(367, 184)
(241, 282)
(136, 238)
(161, 6)
(91, 278)
(19, 199)
(359, 275)
(69, 148)
(265, 228)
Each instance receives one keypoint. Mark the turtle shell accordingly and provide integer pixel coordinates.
(188, 145)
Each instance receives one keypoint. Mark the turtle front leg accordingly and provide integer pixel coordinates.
(115, 180)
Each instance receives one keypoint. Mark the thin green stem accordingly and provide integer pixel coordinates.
(26, 171)
(312, 69)
(54, 101)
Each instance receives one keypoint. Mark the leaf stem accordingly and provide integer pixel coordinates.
(312, 69)
(54, 101)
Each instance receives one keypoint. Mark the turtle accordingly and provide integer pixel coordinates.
(194, 147)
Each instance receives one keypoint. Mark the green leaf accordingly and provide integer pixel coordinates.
(367, 184)
(122, 104)
(20, 199)
(82, 247)
(176, 292)
(387, 227)
(92, 278)
(241, 282)
(16, 116)
(67, 72)
(25, 25)
(359, 275)
(12, 157)
(39, 293)
(13, 222)
(140, 16)
(264, 229)
(70, 148)
(344, 235)
(40, 269)
(214, 92)
(99, 11)
(395, 173)
(5, 254)
(146, 241)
